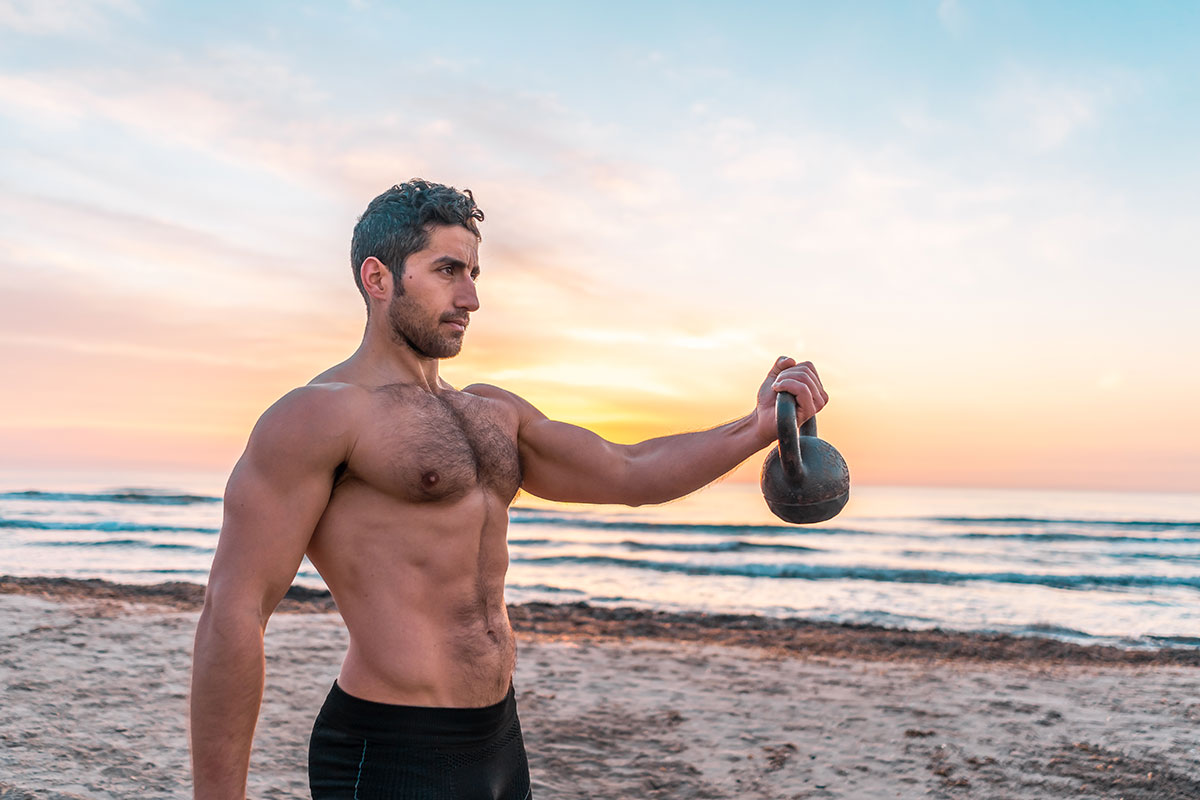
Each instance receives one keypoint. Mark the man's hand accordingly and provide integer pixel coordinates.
(800, 380)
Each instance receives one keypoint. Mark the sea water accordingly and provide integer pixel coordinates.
(1083, 566)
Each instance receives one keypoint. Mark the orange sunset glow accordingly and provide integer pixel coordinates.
(989, 299)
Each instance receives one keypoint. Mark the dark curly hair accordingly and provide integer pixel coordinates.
(396, 224)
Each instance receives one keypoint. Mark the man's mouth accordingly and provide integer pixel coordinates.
(457, 322)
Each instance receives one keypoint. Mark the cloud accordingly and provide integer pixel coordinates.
(245, 110)
(173, 235)
(88, 320)
(56, 17)
(1043, 113)
(182, 106)
(139, 253)
(951, 15)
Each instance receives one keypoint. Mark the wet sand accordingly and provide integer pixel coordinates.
(621, 704)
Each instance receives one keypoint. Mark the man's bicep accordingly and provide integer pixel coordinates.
(275, 497)
(265, 532)
(565, 462)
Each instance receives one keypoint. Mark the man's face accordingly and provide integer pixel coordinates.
(433, 298)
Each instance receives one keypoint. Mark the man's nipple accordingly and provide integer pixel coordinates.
(429, 480)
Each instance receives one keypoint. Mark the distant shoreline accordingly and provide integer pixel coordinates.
(791, 637)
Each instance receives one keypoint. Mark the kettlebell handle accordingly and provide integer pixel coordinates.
(789, 436)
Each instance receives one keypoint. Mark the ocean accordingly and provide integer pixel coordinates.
(1088, 567)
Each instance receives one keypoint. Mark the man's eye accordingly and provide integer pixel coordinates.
(475, 275)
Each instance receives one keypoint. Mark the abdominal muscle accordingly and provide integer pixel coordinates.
(421, 589)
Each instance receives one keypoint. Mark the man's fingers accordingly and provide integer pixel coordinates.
(801, 381)
(781, 363)
(805, 367)
(809, 395)
(803, 372)
(794, 366)
(806, 404)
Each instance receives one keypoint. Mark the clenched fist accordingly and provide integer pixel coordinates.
(800, 380)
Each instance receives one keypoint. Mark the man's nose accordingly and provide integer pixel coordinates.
(467, 297)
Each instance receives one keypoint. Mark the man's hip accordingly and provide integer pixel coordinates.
(362, 750)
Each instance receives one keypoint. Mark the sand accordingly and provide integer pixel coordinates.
(621, 704)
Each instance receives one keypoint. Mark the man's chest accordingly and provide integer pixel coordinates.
(419, 447)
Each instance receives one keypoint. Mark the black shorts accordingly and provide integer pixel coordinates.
(361, 750)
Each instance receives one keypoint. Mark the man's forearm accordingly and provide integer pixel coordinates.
(669, 467)
(227, 685)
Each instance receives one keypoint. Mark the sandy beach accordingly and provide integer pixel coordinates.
(622, 704)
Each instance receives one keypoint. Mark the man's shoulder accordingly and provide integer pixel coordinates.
(490, 392)
(310, 425)
(522, 408)
(321, 403)
(322, 395)
(499, 395)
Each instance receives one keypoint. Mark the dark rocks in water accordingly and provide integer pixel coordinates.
(785, 636)
(176, 594)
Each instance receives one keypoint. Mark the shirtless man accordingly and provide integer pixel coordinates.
(397, 486)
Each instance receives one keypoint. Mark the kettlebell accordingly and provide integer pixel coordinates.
(804, 479)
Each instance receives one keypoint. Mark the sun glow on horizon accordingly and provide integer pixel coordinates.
(986, 248)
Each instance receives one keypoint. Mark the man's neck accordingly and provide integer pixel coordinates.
(382, 360)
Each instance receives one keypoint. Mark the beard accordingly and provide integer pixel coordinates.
(411, 327)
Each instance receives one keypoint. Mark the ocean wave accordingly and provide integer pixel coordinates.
(729, 545)
(1075, 537)
(525, 516)
(163, 571)
(1047, 629)
(104, 526)
(879, 574)
(1134, 557)
(542, 587)
(737, 546)
(137, 496)
(1175, 641)
(131, 543)
(1108, 523)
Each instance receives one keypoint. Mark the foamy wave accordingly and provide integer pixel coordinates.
(879, 574)
(136, 496)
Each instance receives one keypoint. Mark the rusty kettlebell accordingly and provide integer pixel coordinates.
(804, 479)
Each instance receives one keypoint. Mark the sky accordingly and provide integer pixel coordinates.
(978, 220)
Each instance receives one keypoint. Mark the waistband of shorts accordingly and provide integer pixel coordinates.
(418, 725)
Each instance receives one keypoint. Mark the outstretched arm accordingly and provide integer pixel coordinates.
(274, 498)
(568, 463)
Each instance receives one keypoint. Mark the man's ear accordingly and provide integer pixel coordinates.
(376, 279)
